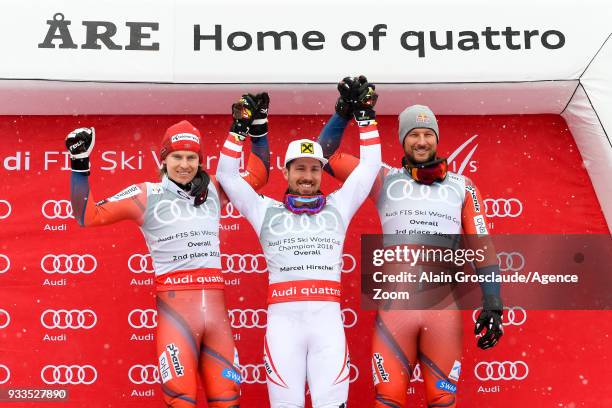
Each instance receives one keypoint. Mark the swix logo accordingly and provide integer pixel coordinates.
(459, 168)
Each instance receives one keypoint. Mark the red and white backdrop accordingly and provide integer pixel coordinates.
(84, 298)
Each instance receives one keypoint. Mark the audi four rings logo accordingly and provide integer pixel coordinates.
(503, 207)
(143, 374)
(5, 209)
(62, 263)
(510, 261)
(247, 263)
(248, 318)
(289, 223)
(68, 319)
(69, 374)
(5, 263)
(169, 211)
(141, 263)
(61, 209)
(255, 263)
(5, 318)
(230, 211)
(501, 370)
(5, 374)
(143, 318)
(253, 374)
(515, 316)
(401, 189)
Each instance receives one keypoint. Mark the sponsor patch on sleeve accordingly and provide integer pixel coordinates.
(131, 191)
(480, 224)
(378, 362)
(455, 371)
(174, 352)
(446, 386)
(236, 359)
(375, 379)
(164, 368)
(231, 375)
(474, 197)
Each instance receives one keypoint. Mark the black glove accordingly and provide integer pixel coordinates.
(490, 318)
(365, 98)
(80, 143)
(242, 113)
(259, 127)
(199, 187)
(344, 104)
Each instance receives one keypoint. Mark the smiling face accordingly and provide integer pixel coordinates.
(303, 175)
(182, 165)
(420, 145)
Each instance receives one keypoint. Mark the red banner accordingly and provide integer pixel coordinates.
(77, 305)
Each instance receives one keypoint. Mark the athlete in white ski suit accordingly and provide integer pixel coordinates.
(305, 338)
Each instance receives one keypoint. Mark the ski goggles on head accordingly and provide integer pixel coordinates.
(299, 204)
(428, 173)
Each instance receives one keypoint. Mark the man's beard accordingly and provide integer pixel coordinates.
(411, 160)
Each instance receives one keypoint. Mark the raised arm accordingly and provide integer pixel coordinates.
(257, 169)
(129, 204)
(340, 164)
(258, 166)
(359, 183)
(240, 188)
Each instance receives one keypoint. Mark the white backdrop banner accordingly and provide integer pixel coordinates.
(272, 41)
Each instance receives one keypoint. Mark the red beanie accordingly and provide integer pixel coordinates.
(181, 136)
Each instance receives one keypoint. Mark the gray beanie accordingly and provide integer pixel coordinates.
(417, 116)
